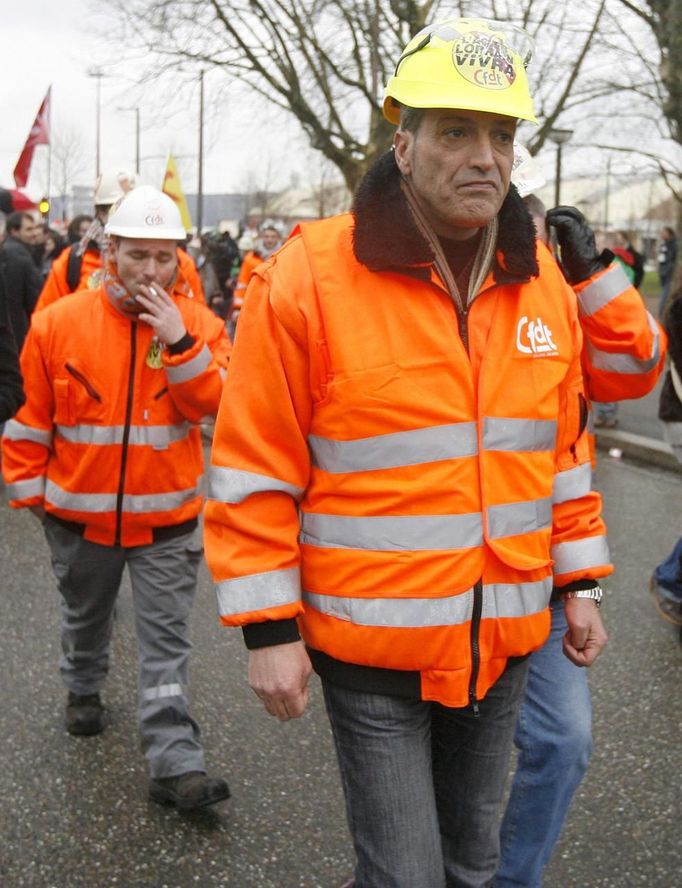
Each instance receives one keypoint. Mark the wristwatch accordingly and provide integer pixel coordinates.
(594, 594)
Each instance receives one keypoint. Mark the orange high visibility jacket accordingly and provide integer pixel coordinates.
(250, 261)
(624, 347)
(56, 284)
(109, 434)
(409, 500)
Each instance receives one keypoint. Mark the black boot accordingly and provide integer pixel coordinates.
(84, 714)
(188, 791)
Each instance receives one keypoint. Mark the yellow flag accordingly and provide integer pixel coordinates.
(173, 188)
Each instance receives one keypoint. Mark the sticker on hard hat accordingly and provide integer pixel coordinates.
(484, 60)
(153, 219)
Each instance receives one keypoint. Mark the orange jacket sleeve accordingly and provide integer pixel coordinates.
(196, 375)
(625, 347)
(579, 547)
(260, 465)
(55, 285)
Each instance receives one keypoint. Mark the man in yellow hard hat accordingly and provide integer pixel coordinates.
(409, 481)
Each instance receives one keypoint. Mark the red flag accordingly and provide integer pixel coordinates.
(39, 135)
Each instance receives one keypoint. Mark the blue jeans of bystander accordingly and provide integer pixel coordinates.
(554, 737)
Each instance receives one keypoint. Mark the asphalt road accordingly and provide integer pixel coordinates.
(75, 813)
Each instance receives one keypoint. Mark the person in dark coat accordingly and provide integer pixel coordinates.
(22, 277)
(11, 386)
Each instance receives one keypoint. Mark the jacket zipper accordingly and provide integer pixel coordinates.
(83, 381)
(477, 610)
(160, 393)
(126, 433)
(462, 316)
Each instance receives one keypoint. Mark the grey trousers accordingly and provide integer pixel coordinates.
(163, 576)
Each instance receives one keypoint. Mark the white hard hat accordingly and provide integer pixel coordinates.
(146, 212)
(245, 242)
(526, 173)
(111, 186)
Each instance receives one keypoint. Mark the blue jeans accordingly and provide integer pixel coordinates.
(554, 738)
(424, 783)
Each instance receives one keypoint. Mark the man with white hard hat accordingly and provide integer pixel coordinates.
(107, 453)
(409, 480)
(81, 266)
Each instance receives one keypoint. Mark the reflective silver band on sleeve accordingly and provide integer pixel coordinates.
(572, 484)
(234, 485)
(177, 373)
(512, 519)
(619, 362)
(396, 449)
(580, 554)
(159, 436)
(392, 533)
(19, 431)
(160, 692)
(106, 502)
(259, 591)
(21, 490)
(602, 291)
(500, 600)
(508, 434)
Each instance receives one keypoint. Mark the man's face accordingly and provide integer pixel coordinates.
(28, 231)
(142, 262)
(459, 165)
(269, 238)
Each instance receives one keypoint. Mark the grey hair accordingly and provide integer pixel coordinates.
(411, 118)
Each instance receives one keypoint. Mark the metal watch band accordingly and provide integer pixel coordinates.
(594, 594)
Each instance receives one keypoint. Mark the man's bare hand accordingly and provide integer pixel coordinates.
(161, 313)
(279, 676)
(586, 636)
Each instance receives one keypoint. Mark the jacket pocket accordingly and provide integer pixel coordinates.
(572, 443)
(78, 397)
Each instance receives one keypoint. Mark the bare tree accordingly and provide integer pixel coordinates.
(663, 89)
(68, 162)
(325, 61)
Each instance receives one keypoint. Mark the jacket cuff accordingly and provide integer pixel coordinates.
(270, 633)
(575, 586)
(177, 348)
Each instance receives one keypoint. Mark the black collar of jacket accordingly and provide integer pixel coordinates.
(386, 238)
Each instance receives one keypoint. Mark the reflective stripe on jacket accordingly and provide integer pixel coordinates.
(109, 434)
(625, 347)
(397, 494)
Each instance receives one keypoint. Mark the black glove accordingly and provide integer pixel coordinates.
(579, 257)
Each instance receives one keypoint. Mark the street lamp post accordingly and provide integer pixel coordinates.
(98, 74)
(200, 177)
(559, 137)
(137, 137)
(137, 141)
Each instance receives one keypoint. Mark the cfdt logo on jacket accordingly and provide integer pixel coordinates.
(533, 337)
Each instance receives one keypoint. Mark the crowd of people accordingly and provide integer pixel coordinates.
(400, 484)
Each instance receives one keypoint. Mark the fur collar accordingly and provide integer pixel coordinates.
(381, 244)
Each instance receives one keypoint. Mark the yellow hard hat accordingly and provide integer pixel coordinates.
(468, 64)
